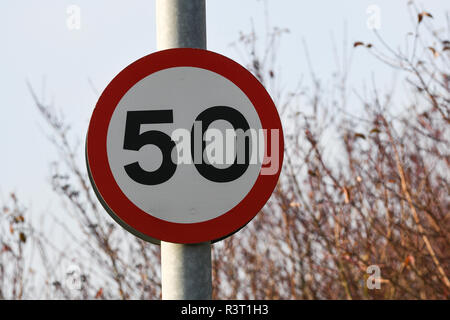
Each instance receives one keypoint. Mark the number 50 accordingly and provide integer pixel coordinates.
(134, 140)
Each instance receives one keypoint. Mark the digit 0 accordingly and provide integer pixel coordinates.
(237, 120)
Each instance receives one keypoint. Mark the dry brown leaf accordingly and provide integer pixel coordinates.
(19, 219)
(435, 53)
(22, 237)
(358, 43)
(346, 195)
(294, 204)
(312, 173)
(99, 293)
(423, 14)
(408, 260)
(360, 135)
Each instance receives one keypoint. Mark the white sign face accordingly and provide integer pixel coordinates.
(165, 105)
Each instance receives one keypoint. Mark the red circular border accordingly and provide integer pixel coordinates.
(116, 200)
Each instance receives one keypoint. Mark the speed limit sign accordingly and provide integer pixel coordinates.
(184, 145)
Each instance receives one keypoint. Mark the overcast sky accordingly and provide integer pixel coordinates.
(38, 45)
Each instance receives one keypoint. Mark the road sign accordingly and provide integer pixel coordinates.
(184, 145)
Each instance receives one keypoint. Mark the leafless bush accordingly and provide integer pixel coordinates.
(355, 191)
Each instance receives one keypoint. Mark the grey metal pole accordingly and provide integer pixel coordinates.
(186, 271)
(185, 268)
(180, 24)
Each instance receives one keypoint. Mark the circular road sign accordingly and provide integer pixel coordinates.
(184, 145)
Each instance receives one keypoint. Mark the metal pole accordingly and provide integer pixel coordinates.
(180, 24)
(185, 268)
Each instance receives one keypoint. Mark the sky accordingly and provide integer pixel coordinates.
(70, 67)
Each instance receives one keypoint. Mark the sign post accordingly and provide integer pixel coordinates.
(185, 268)
(184, 148)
